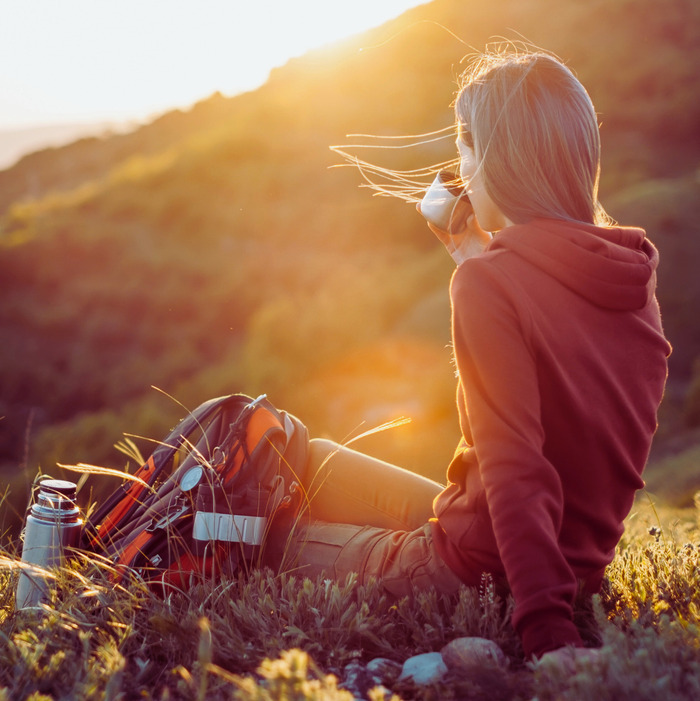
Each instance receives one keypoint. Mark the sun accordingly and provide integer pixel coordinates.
(83, 60)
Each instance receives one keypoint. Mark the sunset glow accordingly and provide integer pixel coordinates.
(83, 60)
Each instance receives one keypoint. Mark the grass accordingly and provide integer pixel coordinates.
(273, 636)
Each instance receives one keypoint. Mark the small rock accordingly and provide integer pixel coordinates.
(463, 653)
(424, 669)
(356, 680)
(383, 670)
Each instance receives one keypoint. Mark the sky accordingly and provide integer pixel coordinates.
(65, 61)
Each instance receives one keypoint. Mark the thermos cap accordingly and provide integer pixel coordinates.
(56, 496)
(62, 488)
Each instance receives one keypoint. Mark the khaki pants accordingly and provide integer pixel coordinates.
(369, 517)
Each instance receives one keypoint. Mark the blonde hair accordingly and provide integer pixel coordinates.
(535, 136)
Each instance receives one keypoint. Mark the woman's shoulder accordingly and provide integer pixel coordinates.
(482, 275)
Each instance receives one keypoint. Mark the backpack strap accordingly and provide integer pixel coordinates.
(121, 506)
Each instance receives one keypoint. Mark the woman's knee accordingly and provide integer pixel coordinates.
(321, 448)
(320, 452)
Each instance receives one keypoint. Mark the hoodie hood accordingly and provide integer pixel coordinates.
(612, 267)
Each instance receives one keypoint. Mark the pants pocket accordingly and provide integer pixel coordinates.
(403, 561)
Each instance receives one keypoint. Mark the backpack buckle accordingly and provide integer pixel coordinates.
(176, 510)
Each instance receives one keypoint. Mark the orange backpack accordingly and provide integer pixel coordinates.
(205, 500)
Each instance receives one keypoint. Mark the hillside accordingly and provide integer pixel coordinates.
(213, 250)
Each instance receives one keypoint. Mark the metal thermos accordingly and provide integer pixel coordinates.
(53, 526)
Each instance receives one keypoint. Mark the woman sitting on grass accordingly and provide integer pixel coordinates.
(562, 363)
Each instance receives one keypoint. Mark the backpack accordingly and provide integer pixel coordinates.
(208, 496)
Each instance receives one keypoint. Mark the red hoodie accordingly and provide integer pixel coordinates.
(562, 363)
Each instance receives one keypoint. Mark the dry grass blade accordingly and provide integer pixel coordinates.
(86, 468)
(130, 449)
(394, 423)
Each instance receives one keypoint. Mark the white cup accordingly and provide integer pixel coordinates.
(440, 202)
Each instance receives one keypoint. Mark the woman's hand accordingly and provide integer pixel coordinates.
(468, 239)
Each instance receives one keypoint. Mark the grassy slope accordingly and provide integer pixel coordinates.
(97, 641)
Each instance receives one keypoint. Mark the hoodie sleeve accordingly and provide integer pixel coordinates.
(498, 376)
